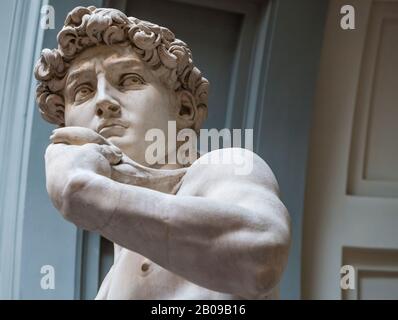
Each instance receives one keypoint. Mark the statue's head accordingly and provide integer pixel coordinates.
(110, 69)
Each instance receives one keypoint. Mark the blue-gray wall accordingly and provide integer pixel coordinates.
(284, 114)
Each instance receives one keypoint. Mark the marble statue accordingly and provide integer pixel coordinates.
(196, 231)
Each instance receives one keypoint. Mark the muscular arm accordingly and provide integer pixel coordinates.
(232, 236)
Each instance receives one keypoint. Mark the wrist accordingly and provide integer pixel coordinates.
(88, 199)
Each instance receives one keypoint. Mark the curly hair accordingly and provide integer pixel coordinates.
(87, 27)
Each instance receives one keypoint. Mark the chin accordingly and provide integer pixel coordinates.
(119, 142)
(126, 146)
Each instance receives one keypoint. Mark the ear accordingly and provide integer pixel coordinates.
(186, 110)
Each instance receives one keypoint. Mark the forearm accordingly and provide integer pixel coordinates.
(218, 245)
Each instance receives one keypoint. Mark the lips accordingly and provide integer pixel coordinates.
(109, 125)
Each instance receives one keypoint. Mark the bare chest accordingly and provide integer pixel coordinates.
(135, 277)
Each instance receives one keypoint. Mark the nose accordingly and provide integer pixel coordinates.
(106, 105)
(107, 109)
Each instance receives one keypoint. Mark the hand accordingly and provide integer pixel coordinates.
(122, 169)
(76, 163)
(69, 155)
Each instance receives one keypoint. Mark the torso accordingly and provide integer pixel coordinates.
(135, 277)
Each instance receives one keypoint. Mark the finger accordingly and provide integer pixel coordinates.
(111, 154)
(76, 136)
(115, 149)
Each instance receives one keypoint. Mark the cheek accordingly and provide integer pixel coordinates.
(81, 116)
(149, 106)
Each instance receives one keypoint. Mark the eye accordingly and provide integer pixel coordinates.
(82, 92)
(131, 80)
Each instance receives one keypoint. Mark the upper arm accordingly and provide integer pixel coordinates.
(240, 177)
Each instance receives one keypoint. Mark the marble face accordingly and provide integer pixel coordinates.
(111, 91)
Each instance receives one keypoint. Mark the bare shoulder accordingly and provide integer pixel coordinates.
(229, 169)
